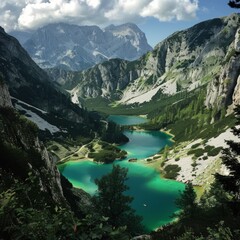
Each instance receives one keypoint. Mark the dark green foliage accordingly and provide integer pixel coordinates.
(26, 214)
(179, 113)
(13, 159)
(195, 145)
(219, 232)
(214, 152)
(108, 154)
(197, 152)
(171, 171)
(187, 202)
(112, 202)
(113, 134)
(210, 150)
(205, 157)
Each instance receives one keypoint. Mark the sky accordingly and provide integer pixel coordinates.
(156, 18)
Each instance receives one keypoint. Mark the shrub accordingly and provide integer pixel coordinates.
(196, 152)
(214, 152)
(196, 145)
(194, 164)
(171, 171)
(205, 157)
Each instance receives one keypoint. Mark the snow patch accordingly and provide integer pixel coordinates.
(24, 103)
(219, 141)
(169, 88)
(145, 97)
(70, 54)
(40, 122)
(131, 96)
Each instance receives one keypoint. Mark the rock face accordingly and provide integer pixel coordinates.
(75, 47)
(5, 100)
(223, 91)
(184, 61)
(236, 94)
(21, 134)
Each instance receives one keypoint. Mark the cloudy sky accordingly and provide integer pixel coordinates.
(157, 18)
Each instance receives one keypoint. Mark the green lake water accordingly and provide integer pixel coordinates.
(153, 196)
(127, 120)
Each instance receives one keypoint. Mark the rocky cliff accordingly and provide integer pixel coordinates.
(223, 91)
(20, 133)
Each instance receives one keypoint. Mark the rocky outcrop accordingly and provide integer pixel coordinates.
(223, 90)
(5, 100)
(236, 94)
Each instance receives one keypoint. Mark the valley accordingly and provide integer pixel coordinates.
(146, 185)
(93, 134)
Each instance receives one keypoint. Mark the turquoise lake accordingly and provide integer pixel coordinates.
(153, 196)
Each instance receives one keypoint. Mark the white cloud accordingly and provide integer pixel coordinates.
(165, 10)
(31, 14)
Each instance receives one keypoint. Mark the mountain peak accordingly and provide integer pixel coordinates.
(76, 47)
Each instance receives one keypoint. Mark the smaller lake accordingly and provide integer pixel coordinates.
(127, 120)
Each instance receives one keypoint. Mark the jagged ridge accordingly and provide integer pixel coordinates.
(75, 47)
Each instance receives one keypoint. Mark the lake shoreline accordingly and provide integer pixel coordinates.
(146, 182)
(168, 133)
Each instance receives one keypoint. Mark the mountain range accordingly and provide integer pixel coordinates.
(199, 66)
(184, 61)
(75, 47)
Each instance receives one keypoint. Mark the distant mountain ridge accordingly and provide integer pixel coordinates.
(75, 47)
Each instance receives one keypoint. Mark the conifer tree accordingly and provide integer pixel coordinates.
(112, 202)
(165, 153)
(187, 202)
